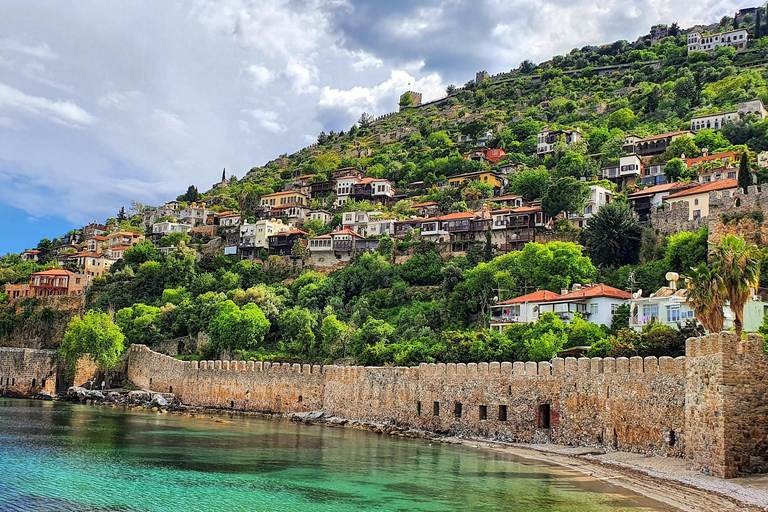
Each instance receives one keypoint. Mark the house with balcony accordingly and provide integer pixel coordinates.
(55, 282)
(301, 183)
(404, 226)
(483, 154)
(643, 201)
(487, 177)
(428, 209)
(509, 201)
(227, 219)
(281, 244)
(283, 198)
(626, 173)
(698, 42)
(321, 189)
(447, 228)
(653, 174)
(96, 244)
(336, 247)
(697, 198)
(94, 228)
(323, 216)
(596, 303)
(255, 237)
(668, 305)
(598, 197)
(91, 264)
(30, 255)
(547, 138)
(346, 172)
(293, 214)
(520, 310)
(160, 229)
(372, 190)
(194, 214)
(365, 223)
(715, 167)
(124, 238)
(654, 145)
(512, 228)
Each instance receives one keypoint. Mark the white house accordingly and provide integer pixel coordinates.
(193, 214)
(595, 303)
(669, 306)
(709, 43)
(598, 197)
(168, 227)
(546, 139)
(327, 250)
(29, 255)
(257, 234)
(323, 216)
(715, 121)
(368, 223)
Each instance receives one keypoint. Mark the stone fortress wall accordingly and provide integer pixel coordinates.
(26, 371)
(626, 404)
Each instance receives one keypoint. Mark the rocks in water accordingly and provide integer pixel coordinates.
(139, 397)
(45, 395)
(307, 417)
(159, 401)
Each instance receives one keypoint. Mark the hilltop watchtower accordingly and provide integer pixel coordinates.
(410, 99)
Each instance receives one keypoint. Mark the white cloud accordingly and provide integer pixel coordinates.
(268, 120)
(40, 51)
(259, 75)
(65, 112)
(244, 126)
(119, 100)
(365, 60)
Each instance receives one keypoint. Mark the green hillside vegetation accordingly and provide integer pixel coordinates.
(431, 309)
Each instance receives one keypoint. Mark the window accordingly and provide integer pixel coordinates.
(543, 416)
(696, 201)
(614, 308)
(502, 413)
(593, 308)
(435, 408)
(696, 214)
(457, 407)
(673, 313)
(650, 311)
(483, 412)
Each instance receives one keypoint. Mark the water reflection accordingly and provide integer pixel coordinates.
(71, 457)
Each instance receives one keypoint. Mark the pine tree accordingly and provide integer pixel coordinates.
(745, 173)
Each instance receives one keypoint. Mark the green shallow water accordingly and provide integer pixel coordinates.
(58, 456)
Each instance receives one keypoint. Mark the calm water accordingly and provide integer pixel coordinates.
(56, 456)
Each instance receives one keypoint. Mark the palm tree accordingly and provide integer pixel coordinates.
(706, 296)
(740, 271)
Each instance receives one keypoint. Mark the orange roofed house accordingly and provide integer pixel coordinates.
(697, 198)
(595, 303)
(49, 283)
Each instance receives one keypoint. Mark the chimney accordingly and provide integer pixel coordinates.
(563, 291)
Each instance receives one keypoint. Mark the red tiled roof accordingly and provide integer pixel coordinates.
(121, 248)
(501, 198)
(527, 209)
(305, 177)
(97, 237)
(54, 272)
(347, 231)
(291, 232)
(322, 236)
(421, 205)
(706, 187)
(31, 251)
(731, 154)
(284, 192)
(539, 296)
(458, 215)
(666, 187)
(289, 205)
(598, 290)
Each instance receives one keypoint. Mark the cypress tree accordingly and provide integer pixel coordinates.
(758, 28)
(745, 173)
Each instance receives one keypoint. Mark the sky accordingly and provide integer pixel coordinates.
(102, 103)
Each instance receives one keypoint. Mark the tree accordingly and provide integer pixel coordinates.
(676, 170)
(365, 120)
(297, 330)
(571, 164)
(406, 100)
(121, 216)
(191, 195)
(450, 89)
(141, 253)
(613, 235)
(624, 119)
(334, 335)
(745, 173)
(565, 195)
(683, 145)
(299, 250)
(237, 328)
(531, 184)
(93, 335)
(739, 269)
(706, 296)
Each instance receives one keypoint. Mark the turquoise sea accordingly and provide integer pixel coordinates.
(63, 457)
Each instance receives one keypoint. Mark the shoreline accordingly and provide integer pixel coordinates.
(662, 479)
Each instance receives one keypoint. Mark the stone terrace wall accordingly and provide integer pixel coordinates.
(25, 371)
(627, 404)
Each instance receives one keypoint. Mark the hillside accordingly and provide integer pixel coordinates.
(412, 298)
